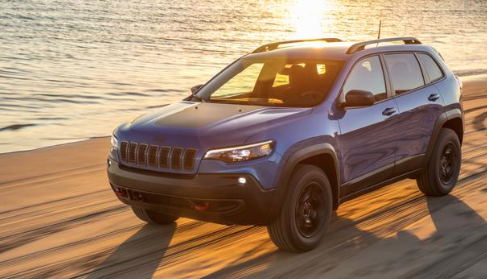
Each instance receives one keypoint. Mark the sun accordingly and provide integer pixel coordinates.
(308, 18)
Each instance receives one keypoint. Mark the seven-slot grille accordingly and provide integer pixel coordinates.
(164, 157)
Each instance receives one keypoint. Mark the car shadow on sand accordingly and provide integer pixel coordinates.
(138, 256)
(350, 251)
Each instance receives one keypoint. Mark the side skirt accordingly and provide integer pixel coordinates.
(380, 185)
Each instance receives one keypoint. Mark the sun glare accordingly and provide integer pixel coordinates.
(308, 18)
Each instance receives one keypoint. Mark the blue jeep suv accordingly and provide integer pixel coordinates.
(284, 135)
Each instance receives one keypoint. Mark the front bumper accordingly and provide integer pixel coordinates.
(217, 198)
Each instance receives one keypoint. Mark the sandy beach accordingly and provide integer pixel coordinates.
(60, 219)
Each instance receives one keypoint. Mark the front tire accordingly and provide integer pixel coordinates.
(306, 211)
(153, 217)
(441, 173)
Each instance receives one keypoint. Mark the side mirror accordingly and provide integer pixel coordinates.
(359, 98)
(196, 88)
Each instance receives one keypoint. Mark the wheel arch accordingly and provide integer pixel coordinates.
(452, 119)
(456, 124)
(327, 164)
(321, 155)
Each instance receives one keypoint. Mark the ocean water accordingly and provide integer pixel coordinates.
(71, 69)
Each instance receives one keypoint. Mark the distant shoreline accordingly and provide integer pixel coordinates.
(471, 73)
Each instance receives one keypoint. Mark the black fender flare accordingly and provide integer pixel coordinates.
(291, 161)
(440, 121)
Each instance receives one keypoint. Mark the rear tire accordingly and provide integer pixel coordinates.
(153, 217)
(306, 211)
(441, 173)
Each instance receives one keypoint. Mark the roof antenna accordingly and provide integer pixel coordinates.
(378, 35)
(380, 25)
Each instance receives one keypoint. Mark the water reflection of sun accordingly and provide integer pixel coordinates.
(308, 18)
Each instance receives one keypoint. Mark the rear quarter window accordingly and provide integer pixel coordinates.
(431, 67)
(405, 72)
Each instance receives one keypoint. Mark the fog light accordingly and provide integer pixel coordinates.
(109, 163)
(242, 180)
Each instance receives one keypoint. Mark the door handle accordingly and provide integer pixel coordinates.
(433, 97)
(389, 111)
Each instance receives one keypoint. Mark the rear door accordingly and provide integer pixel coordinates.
(368, 135)
(419, 103)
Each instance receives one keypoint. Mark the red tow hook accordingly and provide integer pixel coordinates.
(120, 192)
(202, 207)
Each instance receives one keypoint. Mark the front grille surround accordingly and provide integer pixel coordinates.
(152, 157)
(124, 150)
(176, 158)
(142, 154)
(171, 158)
(164, 157)
(188, 163)
(132, 152)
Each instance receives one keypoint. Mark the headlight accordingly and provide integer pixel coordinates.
(241, 153)
(114, 143)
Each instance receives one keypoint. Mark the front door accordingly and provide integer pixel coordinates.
(368, 135)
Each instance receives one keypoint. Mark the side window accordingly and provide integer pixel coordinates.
(430, 66)
(367, 75)
(405, 72)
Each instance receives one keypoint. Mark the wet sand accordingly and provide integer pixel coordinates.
(59, 219)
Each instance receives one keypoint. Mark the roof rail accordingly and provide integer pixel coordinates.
(361, 46)
(273, 46)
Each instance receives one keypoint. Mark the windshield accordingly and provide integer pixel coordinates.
(276, 82)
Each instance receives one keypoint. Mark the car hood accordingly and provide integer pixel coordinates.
(213, 124)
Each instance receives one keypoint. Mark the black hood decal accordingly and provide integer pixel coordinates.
(203, 114)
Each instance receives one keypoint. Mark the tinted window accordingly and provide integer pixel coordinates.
(405, 72)
(367, 75)
(430, 66)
